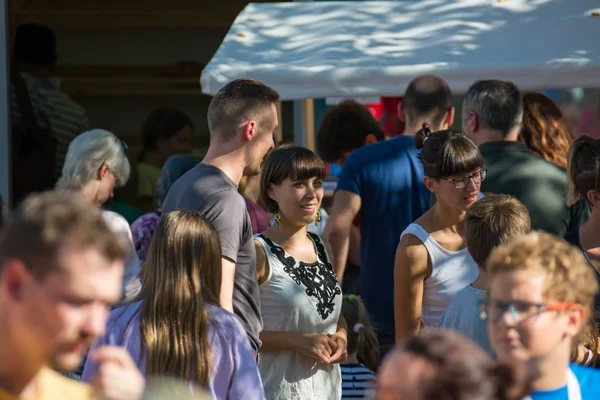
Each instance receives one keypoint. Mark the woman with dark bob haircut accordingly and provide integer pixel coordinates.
(442, 365)
(303, 336)
(432, 260)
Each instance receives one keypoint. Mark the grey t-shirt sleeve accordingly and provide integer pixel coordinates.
(227, 213)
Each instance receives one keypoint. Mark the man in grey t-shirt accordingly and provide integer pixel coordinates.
(241, 119)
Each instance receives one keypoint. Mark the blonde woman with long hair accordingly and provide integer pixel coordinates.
(174, 326)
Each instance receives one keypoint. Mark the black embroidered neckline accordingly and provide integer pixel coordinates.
(318, 277)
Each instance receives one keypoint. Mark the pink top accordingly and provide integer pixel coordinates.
(258, 217)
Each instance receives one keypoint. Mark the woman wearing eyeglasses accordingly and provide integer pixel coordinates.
(95, 164)
(432, 261)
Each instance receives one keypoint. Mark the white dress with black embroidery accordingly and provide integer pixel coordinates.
(299, 297)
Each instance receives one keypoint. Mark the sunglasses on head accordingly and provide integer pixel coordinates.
(123, 146)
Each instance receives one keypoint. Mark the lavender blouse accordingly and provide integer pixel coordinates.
(142, 230)
(234, 371)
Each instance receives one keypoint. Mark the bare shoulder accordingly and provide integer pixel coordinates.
(412, 247)
(260, 252)
(262, 265)
(412, 257)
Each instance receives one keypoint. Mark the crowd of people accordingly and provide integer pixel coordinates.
(477, 252)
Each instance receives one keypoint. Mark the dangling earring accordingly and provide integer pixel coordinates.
(277, 220)
(319, 218)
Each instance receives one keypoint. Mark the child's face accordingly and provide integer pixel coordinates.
(521, 327)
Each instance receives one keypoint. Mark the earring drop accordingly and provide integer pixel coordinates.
(319, 218)
(277, 220)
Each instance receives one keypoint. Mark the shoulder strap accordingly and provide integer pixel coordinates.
(260, 237)
(416, 230)
(268, 253)
(420, 233)
(316, 238)
(321, 249)
(23, 96)
(573, 387)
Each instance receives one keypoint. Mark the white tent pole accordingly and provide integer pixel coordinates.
(5, 156)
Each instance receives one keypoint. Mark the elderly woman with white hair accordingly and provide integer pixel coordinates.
(95, 163)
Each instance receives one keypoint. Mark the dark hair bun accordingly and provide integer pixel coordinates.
(422, 135)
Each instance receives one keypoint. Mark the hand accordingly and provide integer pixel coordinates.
(340, 353)
(319, 347)
(117, 378)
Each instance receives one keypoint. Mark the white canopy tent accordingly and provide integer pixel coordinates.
(374, 48)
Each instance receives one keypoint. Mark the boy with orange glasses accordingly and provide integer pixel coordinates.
(540, 297)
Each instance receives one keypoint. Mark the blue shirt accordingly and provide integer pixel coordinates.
(463, 316)
(388, 177)
(589, 383)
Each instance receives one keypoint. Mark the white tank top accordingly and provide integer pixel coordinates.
(300, 297)
(451, 271)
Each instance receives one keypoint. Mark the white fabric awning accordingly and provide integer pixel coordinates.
(374, 48)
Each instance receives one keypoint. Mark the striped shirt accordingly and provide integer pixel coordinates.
(358, 382)
(55, 111)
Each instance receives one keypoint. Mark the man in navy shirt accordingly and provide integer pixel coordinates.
(346, 127)
(384, 182)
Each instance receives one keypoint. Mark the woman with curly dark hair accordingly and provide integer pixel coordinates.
(545, 129)
(346, 127)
